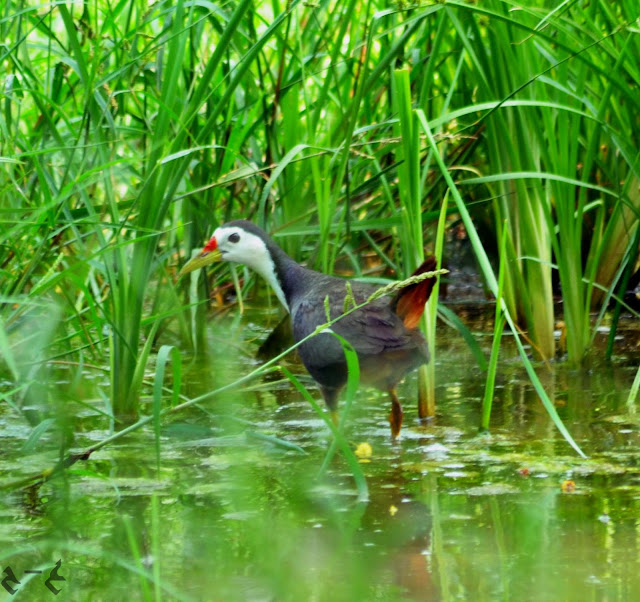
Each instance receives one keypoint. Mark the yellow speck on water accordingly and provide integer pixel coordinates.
(364, 451)
(392, 510)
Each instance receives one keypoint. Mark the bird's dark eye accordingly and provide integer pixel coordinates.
(235, 237)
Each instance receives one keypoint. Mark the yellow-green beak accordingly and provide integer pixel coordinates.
(199, 261)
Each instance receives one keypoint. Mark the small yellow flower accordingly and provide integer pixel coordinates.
(392, 510)
(364, 451)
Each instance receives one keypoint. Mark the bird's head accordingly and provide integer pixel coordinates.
(232, 243)
(242, 242)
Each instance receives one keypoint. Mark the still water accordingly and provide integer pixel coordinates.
(237, 509)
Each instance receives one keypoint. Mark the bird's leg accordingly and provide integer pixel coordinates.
(395, 417)
(331, 399)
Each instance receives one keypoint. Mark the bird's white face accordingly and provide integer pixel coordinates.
(233, 243)
(240, 246)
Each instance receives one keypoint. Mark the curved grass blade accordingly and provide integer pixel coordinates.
(498, 328)
(350, 457)
(427, 372)
(36, 434)
(353, 380)
(454, 321)
(276, 441)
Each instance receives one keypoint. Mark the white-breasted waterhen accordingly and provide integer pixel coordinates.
(384, 333)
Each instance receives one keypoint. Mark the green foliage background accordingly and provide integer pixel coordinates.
(130, 131)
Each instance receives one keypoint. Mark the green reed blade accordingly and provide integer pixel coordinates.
(487, 271)
(498, 328)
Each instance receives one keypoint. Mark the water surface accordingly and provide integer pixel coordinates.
(238, 511)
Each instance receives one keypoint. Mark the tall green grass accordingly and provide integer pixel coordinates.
(559, 143)
(103, 140)
(129, 131)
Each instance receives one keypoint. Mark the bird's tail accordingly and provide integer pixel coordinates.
(410, 301)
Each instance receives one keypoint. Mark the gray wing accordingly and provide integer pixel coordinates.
(372, 330)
